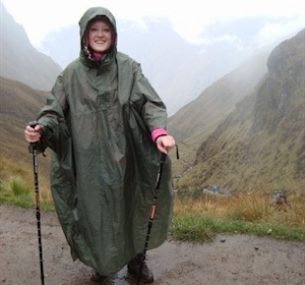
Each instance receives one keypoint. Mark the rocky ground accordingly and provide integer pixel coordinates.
(228, 260)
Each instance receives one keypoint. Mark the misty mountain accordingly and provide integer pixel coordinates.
(19, 105)
(177, 69)
(19, 60)
(196, 120)
(261, 143)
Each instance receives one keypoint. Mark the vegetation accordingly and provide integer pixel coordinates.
(260, 144)
(17, 185)
(199, 217)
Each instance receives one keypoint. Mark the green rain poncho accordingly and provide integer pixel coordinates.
(97, 120)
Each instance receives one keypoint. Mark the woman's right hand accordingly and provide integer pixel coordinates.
(32, 134)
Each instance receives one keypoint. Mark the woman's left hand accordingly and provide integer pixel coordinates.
(165, 143)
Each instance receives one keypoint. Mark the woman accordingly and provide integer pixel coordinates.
(106, 126)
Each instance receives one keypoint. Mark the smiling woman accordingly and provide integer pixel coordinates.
(107, 128)
(99, 36)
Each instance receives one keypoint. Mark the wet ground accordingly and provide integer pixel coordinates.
(228, 260)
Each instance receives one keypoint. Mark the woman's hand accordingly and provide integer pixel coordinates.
(165, 143)
(32, 134)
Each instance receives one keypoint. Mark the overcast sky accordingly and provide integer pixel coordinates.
(189, 18)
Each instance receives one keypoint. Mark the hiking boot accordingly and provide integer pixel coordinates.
(134, 267)
(104, 280)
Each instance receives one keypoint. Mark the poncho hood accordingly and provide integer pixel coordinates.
(87, 17)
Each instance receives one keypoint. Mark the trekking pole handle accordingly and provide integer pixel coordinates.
(33, 124)
(34, 145)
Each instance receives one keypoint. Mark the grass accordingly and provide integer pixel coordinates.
(17, 192)
(17, 186)
(193, 227)
(198, 219)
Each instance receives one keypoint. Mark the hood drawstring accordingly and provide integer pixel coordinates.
(94, 56)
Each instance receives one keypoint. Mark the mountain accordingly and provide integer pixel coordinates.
(261, 144)
(19, 60)
(196, 120)
(19, 105)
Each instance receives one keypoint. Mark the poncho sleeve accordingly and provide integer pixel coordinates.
(53, 119)
(148, 103)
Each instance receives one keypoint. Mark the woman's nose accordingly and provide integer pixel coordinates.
(99, 33)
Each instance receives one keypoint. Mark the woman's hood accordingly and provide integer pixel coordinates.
(91, 14)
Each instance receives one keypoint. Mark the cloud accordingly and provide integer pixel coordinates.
(273, 31)
(190, 19)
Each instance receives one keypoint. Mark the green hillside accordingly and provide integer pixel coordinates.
(261, 144)
(19, 105)
(195, 121)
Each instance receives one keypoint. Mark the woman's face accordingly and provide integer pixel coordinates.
(100, 36)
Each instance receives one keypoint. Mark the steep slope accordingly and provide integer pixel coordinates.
(19, 60)
(195, 121)
(261, 144)
(19, 105)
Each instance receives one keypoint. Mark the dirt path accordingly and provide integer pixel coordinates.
(228, 260)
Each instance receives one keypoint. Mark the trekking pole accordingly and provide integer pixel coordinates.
(37, 204)
(152, 214)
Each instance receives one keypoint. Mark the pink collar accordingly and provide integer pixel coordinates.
(97, 56)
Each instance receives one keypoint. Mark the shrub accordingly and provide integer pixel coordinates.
(18, 186)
